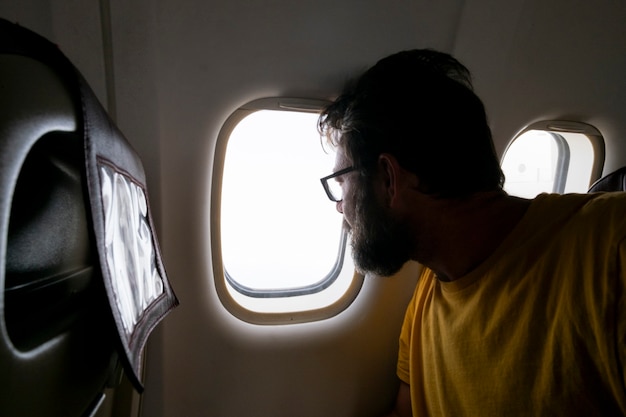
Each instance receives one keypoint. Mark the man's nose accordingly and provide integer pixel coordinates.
(340, 206)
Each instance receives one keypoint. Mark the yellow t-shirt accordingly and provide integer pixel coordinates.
(538, 329)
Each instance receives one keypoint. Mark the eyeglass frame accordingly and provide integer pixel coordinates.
(339, 173)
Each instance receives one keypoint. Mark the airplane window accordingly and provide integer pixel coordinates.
(283, 249)
(553, 157)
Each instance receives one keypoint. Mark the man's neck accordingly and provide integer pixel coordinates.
(464, 233)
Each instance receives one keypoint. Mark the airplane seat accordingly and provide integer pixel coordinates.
(82, 283)
(615, 181)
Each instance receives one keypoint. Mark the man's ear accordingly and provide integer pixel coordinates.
(389, 173)
(395, 179)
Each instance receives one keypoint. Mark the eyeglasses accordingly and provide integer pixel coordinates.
(333, 188)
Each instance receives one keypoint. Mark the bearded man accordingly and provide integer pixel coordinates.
(520, 307)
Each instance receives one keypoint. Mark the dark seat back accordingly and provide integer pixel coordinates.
(81, 278)
(615, 181)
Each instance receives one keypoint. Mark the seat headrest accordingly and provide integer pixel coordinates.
(116, 202)
(615, 181)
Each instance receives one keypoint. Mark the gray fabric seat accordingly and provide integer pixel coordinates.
(615, 181)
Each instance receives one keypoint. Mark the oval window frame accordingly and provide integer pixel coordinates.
(220, 278)
(556, 127)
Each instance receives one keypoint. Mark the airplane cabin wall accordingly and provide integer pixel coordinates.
(549, 60)
(216, 57)
(178, 68)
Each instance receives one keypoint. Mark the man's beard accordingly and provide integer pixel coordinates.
(380, 243)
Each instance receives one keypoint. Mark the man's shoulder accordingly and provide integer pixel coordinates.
(604, 208)
(596, 213)
(587, 204)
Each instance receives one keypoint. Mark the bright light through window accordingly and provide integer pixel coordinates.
(553, 157)
(279, 231)
(530, 164)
